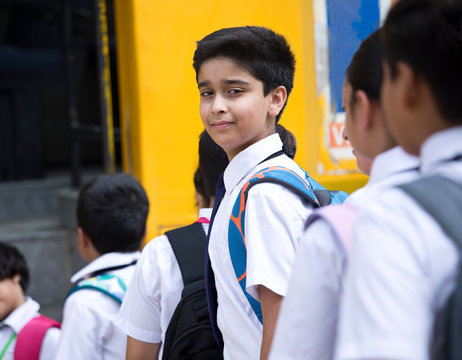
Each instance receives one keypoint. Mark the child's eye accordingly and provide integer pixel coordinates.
(235, 91)
(206, 93)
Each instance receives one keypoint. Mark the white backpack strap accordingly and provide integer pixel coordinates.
(341, 219)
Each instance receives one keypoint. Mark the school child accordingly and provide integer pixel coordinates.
(244, 76)
(156, 288)
(403, 265)
(19, 314)
(111, 217)
(308, 318)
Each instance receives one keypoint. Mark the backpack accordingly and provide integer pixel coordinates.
(109, 284)
(442, 199)
(189, 334)
(341, 219)
(30, 338)
(307, 188)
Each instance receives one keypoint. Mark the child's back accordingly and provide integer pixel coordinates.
(111, 214)
(244, 76)
(402, 266)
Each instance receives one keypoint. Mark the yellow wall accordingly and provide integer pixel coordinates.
(159, 99)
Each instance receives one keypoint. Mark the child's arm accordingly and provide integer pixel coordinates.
(270, 305)
(140, 350)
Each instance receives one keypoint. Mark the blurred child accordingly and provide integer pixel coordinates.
(307, 322)
(403, 265)
(156, 289)
(24, 333)
(111, 217)
(244, 77)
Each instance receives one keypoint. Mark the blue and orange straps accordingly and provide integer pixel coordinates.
(109, 284)
(236, 230)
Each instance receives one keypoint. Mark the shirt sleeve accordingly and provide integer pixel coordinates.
(139, 315)
(386, 311)
(50, 344)
(274, 222)
(307, 321)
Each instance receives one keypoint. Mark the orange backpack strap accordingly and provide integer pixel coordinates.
(30, 338)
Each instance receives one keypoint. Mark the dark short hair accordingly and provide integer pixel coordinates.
(260, 51)
(427, 36)
(13, 263)
(199, 186)
(112, 212)
(365, 70)
(212, 162)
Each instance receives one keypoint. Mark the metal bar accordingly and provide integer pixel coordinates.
(69, 60)
(107, 123)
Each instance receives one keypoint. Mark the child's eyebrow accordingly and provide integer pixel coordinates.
(224, 81)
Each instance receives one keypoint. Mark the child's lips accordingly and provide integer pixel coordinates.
(221, 124)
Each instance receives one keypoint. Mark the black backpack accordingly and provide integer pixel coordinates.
(442, 199)
(189, 335)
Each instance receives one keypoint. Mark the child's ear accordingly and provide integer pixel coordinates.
(409, 85)
(362, 110)
(277, 101)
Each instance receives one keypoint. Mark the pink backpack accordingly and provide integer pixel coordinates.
(29, 340)
(341, 219)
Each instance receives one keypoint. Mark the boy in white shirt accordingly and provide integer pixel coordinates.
(244, 76)
(111, 217)
(155, 290)
(18, 311)
(402, 265)
(307, 322)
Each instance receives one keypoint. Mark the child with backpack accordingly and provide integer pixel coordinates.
(24, 333)
(244, 76)
(404, 263)
(307, 322)
(170, 265)
(111, 218)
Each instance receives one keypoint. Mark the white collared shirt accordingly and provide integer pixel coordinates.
(402, 268)
(14, 324)
(154, 292)
(308, 316)
(273, 224)
(88, 329)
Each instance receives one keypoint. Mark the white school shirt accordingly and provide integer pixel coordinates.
(402, 268)
(14, 323)
(308, 317)
(273, 224)
(154, 292)
(88, 330)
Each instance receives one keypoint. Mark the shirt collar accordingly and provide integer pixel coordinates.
(106, 260)
(205, 212)
(440, 147)
(391, 162)
(248, 158)
(21, 315)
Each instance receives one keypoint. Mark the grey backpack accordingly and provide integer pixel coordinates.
(442, 199)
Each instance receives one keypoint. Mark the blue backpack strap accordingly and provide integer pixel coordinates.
(109, 284)
(305, 188)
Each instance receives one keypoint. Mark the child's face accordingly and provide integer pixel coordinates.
(11, 296)
(352, 131)
(233, 108)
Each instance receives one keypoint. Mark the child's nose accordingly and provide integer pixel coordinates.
(219, 105)
(344, 133)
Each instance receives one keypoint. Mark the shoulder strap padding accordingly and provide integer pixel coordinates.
(109, 284)
(442, 199)
(341, 219)
(188, 244)
(30, 338)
